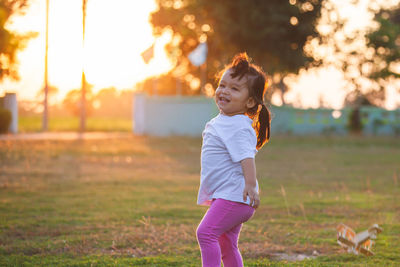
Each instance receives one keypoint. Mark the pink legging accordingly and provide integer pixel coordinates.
(218, 233)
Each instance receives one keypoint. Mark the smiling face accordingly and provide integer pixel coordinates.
(232, 95)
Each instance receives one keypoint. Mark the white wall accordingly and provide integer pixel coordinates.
(172, 115)
(10, 103)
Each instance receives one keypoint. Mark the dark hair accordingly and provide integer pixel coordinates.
(257, 86)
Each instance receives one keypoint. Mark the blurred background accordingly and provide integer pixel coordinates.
(109, 68)
(75, 61)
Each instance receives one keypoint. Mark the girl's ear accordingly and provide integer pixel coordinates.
(251, 103)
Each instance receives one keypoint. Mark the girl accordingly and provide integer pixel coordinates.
(228, 182)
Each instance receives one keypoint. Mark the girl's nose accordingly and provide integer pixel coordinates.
(221, 90)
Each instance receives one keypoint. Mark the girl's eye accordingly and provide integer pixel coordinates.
(234, 88)
(222, 85)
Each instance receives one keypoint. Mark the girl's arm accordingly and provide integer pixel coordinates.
(250, 189)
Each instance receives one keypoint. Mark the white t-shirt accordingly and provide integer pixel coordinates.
(227, 140)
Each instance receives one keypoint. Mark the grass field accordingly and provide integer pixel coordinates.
(33, 123)
(131, 201)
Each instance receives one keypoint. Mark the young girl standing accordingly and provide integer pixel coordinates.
(228, 182)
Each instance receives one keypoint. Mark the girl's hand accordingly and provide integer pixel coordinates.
(251, 191)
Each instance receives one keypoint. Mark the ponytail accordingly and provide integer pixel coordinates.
(262, 126)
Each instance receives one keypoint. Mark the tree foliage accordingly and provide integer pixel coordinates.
(351, 51)
(167, 84)
(113, 103)
(108, 102)
(273, 32)
(72, 101)
(385, 40)
(11, 42)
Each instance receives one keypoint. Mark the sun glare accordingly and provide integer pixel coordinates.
(116, 34)
(114, 40)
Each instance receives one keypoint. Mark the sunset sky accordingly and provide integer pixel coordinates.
(115, 37)
(117, 34)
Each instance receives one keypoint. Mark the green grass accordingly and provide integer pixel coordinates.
(33, 123)
(131, 201)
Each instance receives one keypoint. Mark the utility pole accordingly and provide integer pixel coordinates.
(83, 89)
(46, 85)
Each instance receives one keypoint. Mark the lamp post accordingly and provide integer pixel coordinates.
(83, 88)
(46, 85)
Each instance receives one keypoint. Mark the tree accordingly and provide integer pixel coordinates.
(73, 101)
(109, 102)
(385, 41)
(166, 84)
(52, 92)
(11, 42)
(351, 51)
(274, 33)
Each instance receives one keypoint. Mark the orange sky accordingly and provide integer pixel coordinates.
(115, 37)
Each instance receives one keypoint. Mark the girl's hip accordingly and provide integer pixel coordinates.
(231, 208)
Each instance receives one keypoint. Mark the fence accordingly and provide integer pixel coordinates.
(175, 115)
(374, 121)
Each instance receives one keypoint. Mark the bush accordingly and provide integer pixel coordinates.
(5, 120)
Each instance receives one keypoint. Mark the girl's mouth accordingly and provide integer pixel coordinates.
(222, 99)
